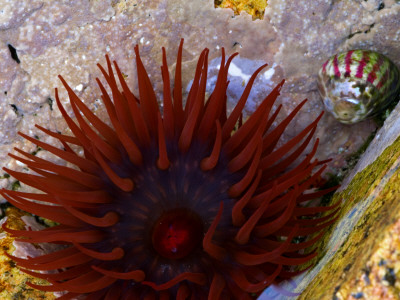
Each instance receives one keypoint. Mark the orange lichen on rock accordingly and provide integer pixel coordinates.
(255, 8)
(12, 280)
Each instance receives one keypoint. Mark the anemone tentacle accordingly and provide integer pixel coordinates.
(172, 204)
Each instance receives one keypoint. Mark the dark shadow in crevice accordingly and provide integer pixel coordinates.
(13, 52)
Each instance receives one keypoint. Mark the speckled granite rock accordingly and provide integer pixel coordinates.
(294, 37)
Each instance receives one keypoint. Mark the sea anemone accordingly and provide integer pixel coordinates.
(184, 203)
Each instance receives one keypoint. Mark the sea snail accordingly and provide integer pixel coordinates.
(358, 84)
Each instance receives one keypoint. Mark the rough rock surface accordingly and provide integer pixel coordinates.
(386, 135)
(295, 37)
(379, 277)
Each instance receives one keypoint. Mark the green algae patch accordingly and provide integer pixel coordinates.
(370, 203)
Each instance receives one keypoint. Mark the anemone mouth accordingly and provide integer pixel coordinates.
(166, 206)
(173, 205)
(177, 233)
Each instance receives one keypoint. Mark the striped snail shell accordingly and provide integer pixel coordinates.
(358, 84)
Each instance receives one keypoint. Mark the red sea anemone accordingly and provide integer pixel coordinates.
(188, 203)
